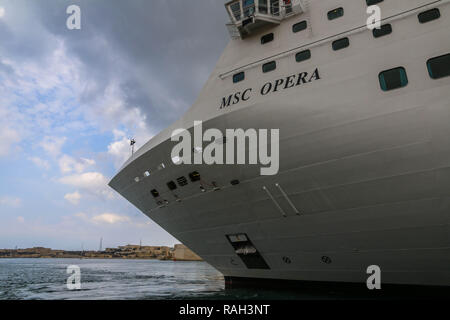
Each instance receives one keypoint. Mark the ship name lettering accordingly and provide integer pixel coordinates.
(272, 86)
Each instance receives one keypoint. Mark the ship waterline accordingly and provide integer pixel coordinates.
(364, 173)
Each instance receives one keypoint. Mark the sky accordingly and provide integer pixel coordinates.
(71, 99)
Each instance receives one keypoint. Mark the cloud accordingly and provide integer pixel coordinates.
(20, 219)
(53, 145)
(120, 151)
(41, 163)
(110, 218)
(68, 164)
(104, 218)
(8, 137)
(13, 202)
(130, 71)
(73, 198)
(91, 182)
(2, 12)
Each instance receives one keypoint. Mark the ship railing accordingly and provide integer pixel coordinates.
(240, 10)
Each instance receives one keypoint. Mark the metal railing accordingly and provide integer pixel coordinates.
(241, 10)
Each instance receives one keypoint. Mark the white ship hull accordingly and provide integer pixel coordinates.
(368, 170)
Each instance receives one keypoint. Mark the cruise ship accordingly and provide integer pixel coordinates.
(363, 116)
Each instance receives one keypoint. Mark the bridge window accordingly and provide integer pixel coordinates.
(383, 31)
(236, 9)
(238, 77)
(372, 2)
(429, 15)
(393, 79)
(336, 13)
(270, 66)
(299, 26)
(439, 67)
(262, 6)
(303, 55)
(341, 44)
(267, 38)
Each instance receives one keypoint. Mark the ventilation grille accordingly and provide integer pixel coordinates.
(182, 181)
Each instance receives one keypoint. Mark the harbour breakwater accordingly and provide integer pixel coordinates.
(178, 253)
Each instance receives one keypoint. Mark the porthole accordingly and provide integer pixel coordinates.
(439, 67)
(303, 55)
(194, 176)
(155, 193)
(302, 25)
(429, 15)
(372, 2)
(336, 13)
(383, 31)
(267, 38)
(171, 185)
(270, 66)
(393, 79)
(341, 44)
(238, 77)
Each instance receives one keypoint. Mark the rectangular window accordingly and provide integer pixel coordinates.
(269, 66)
(429, 15)
(171, 185)
(262, 6)
(303, 55)
(155, 193)
(439, 67)
(341, 44)
(372, 2)
(383, 31)
(393, 79)
(267, 38)
(336, 13)
(194, 176)
(238, 77)
(299, 26)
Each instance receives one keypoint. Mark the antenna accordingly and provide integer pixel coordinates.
(132, 143)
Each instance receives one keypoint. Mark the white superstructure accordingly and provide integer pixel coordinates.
(364, 119)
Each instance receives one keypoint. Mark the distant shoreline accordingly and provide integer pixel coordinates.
(129, 252)
(99, 258)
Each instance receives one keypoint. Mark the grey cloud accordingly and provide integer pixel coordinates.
(160, 51)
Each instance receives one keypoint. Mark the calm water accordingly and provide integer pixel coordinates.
(125, 279)
(108, 279)
(140, 279)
